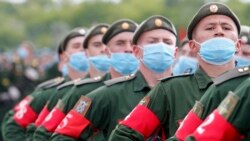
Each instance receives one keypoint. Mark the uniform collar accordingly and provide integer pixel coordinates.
(202, 78)
(140, 83)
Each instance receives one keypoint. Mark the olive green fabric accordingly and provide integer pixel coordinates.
(123, 25)
(213, 8)
(110, 104)
(226, 82)
(216, 94)
(154, 22)
(37, 103)
(239, 118)
(170, 101)
(69, 99)
(8, 125)
(95, 30)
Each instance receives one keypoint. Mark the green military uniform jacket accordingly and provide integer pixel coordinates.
(51, 100)
(110, 104)
(168, 104)
(236, 115)
(70, 98)
(15, 131)
(217, 92)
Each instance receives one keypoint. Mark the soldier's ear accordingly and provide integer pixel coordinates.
(107, 51)
(136, 51)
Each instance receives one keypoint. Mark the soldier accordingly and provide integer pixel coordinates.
(27, 111)
(230, 119)
(243, 56)
(52, 114)
(154, 41)
(120, 52)
(213, 34)
(187, 62)
(210, 100)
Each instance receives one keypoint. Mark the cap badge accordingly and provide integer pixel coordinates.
(213, 8)
(81, 31)
(158, 22)
(125, 25)
(104, 30)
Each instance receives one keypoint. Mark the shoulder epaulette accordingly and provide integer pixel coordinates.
(89, 80)
(56, 82)
(47, 83)
(171, 77)
(68, 83)
(119, 79)
(236, 72)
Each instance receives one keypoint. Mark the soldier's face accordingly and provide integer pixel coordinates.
(155, 36)
(121, 43)
(75, 45)
(95, 46)
(215, 26)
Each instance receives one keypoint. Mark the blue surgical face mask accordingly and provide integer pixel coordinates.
(242, 61)
(217, 51)
(23, 53)
(124, 63)
(185, 64)
(158, 57)
(100, 62)
(65, 70)
(79, 62)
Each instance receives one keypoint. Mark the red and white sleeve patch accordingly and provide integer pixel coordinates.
(188, 125)
(142, 120)
(53, 119)
(42, 116)
(25, 115)
(72, 125)
(216, 128)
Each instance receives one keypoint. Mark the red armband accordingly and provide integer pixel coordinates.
(25, 115)
(73, 124)
(142, 120)
(42, 116)
(23, 102)
(188, 125)
(216, 128)
(53, 119)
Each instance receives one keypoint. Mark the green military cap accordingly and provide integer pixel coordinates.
(124, 25)
(245, 34)
(154, 22)
(208, 9)
(72, 34)
(95, 30)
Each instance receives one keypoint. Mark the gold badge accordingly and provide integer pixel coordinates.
(81, 31)
(213, 8)
(103, 30)
(82, 105)
(244, 39)
(125, 25)
(228, 104)
(158, 22)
